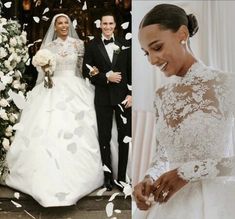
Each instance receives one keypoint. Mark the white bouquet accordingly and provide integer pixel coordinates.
(47, 61)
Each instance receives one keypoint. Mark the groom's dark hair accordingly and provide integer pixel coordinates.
(108, 13)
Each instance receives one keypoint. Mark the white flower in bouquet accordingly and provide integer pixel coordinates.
(6, 79)
(7, 64)
(3, 114)
(4, 102)
(1, 74)
(23, 37)
(16, 84)
(9, 131)
(3, 52)
(13, 42)
(12, 118)
(6, 143)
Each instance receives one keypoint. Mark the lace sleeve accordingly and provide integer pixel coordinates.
(80, 49)
(221, 166)
(159, 163)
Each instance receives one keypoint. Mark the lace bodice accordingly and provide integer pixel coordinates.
(69, 57)
(194, 128)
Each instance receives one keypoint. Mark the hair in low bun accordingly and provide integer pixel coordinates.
(192, 24)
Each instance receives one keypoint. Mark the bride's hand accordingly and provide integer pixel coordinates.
(167, 185)
(142, 192)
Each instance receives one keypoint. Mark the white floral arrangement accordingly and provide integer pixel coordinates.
(116, 48)
(47, 61)
(13, 56)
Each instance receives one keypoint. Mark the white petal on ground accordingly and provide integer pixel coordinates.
(45, 18)
(109, 209)
(75, 23)
(101, 191)
(113, 196)
(45, 10)
(2, 86)
(106, 169)
(84, 7)
(16, 204)
(17, 99)
(17, 195)
(18, 126)
(125, 25)
(36, 19)
(29, 214)
(127, 139)
(124, 119)
(117, 211)
(91, 37)
(127, 189)
(128, 36)
(121, 107)
(8, 4)
(97, 23)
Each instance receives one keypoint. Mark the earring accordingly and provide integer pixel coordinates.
(183, 42)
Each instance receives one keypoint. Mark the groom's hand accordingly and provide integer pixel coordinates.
(115, 77)
(128, 101)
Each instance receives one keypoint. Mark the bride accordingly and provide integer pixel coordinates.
(192, 175)
(55, 156)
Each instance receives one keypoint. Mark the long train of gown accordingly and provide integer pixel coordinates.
(55, 156)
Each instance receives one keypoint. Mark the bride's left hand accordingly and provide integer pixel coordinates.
(167, 185)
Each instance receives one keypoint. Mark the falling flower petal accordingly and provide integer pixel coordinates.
(106, 169)
(45, 18)
(75, 23)
(84, 7)
(113, 196)
(17, 99)
(97, 23)
(16, 204)
(117, 211)
(91, 37)
(36, 19)
(121, 107)
(8, 4)
(128, 36)
(125, 25)
(101, 191)
(17, 195)
(124, 119)
(109, 209)
(129, 87)
(125, 47)
(127, 139)
(45, 10)
(29, 214)
(89, 67)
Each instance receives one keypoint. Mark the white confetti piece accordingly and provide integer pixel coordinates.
(101, 191)
(117, 211)
(125, 25)
(91, 37)
(117, 183)
(28, 62)
(106, 169)
(113, 196)
(45, 18)
(129, 87)
(89, 67)
(75, 23)
(17, 195)
(16, 204)
(45, 10)
(84, 7)
(127, 139)
(36, 19)
(120, 107)
(128, 36)
(127, 189)
(109, 209)
(125, 47)
(29, 214)
(17, 99)
(124, 119)
(8, 4)
(97, 23)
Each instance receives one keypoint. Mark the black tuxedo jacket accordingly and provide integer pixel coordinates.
(96, 55)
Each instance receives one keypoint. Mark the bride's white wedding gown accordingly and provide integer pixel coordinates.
(55, 156)
(195, 133)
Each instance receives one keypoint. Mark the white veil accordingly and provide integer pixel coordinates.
(51, 36)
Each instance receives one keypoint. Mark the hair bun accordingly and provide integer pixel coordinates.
(192, 24)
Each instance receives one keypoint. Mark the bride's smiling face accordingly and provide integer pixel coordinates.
(62, 26)
(163, 48)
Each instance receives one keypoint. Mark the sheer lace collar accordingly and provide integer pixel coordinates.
(59, 40)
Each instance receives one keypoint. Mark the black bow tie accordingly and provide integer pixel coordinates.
(106, 42)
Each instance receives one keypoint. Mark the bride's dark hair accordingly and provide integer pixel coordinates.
(170, 17)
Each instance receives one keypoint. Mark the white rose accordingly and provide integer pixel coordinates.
(24, 37)
(7, 64)
(23, 86)
(3, 114)
(3, 52)
(4, 38)
(13, 42)
(13, 117)
(16, 84)
(1, 74)
(6, 143)
(4, 102)
(18, 59)
(3, 21)
(6, 79)
(115, 47)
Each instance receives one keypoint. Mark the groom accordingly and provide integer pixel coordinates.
(110, 58)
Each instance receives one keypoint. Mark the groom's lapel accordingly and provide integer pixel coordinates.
(103, 51)
(115, 55)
